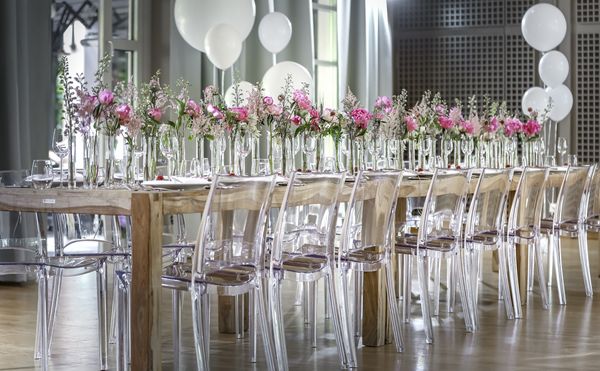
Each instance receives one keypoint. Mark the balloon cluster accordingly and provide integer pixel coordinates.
(544, 27)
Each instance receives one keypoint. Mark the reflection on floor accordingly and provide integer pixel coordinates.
(566, 337)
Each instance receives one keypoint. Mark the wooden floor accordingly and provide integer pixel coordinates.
(564, 337)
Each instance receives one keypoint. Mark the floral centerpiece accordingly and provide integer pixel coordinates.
(354, 124)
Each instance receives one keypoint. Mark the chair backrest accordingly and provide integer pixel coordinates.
(590, 203)
(370, 212)
(444, 205)
(232, 228)
(526, 210)
(486, 212)
(307, 216)
(570, 194)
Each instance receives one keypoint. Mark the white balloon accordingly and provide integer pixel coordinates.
(562, 102)
(544, 26)
(554, 68)
(274, 79)
(275, 31)
(244, 90)
(535, 98)
(194, 18)
(223, 45)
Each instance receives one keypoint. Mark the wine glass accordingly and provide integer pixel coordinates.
(467, 149)
(169, 145)
(243, 143)
(561, 148)
(510, 146)
(60, 146)
(309, 148)
(41, 174)
(448, 147)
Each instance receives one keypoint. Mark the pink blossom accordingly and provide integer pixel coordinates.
(155, 113)
(123, 112)
(106, 97)
(383, 103)
(302, 100)
(467, 126)
(240, 113)
(361, 117)
(512, 126)
(493, 125)
(295, 119)
(87, 103)
(440, 109)
(411, 124)
(215, 112)
(455, 115)
(268, 100)
(275, 110)
(446, 122)
(192, 108)
(532, 128)
(314, 118)
(329, 115)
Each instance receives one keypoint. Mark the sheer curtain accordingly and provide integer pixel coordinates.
(364, 49)
(25, 82)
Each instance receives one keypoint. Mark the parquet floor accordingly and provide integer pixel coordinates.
(562, 338)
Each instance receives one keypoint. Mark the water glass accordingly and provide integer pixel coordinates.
(260, 166)
(549, 161)
(572, 160)
(561, 148)
(328, 165)
(41, 174)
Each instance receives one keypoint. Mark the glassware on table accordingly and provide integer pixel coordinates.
(561, 148)
(541, 151)
(572, 160)
(41, 174)
(549, 161)
(243, 144)
(193, 168)
(309, 147)
(260, 166)
(467, 148)
(169, 145)
(228, 170)
(447, 148)
(510, 147)
(205, 167)
(60, 146)
(328, 165)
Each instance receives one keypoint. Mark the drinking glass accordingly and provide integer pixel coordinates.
(205, 167)
(41, 174)
(549, 161)
(448, 147)
(328, 165)
(467, 149)
(510, 146)
(572, 160)
(169, 145)
(561, 148)
(309, 148)
(60, 146)
(243, 143)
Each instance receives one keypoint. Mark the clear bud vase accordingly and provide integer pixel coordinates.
(411, 154)
(129, 154)
(71, 160)
(91, 164)
(400, 154)
(217, 153)
(109, 167)
(180, 155)
(150, 158)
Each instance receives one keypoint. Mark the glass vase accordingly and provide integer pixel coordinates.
(179, 160)
(217, 154)
(129, 158)
(71, 160)
(109, 165)
(91, 164)
(150, 157)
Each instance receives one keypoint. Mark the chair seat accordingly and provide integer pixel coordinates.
(310, 263)
(233, 275)
(407, 244)
(570, 226)
(592, 223)
(485, 238)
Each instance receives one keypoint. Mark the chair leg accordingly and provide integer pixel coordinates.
(121, 325)
(466, 292)
(393, 307)
(205, 305)
(56, 288)
(252, 324)
(475, 268)
(358, 305)
(541, 273)
(199, 332)
(326, 303)
(312, 311)
(530, 267)
(102, 315)
(425, 302)
(437, 266)
(549, 240)
(560, 283)
(503, 287)
(112, 332)
(585, 261)
(43, 318)
(267, 332)
(176, 330)
(342, 320)
(514, 279)
(277, 323)
(451, 280)
(406, 287)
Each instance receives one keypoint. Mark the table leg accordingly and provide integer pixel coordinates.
(147, 225)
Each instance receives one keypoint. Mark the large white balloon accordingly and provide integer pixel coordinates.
(535, 98)
(275, 31)
(544, 26)
(274, 79)
(554, 68)
(244, 89)
(194, 18)
(223, 45)
(562, 102)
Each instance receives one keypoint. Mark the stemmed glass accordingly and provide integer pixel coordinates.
(510, 146)
(169, 145)
(541, 151)
(309, 148)
(243, 143)
(138, 152)
(448, 147)
(424, 153)
(561, 148)
(467, 149)
(60, 146)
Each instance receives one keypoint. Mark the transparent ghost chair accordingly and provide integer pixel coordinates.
(590, 205)
(484, 232)
(366, 246)
(568, 222)
(523, 227)
(303, 250)
(439, 235)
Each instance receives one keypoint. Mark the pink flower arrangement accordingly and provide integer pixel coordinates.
(215, 112)
(106, 97)
(455, 115)
(531, 128)
(512, 126)
(411, 124)
(268, 100)
(274, 110)
(302, 100)
(296, 120)
(155, 114)
(383, 103)
(361, 117)
(314, 119)
(123, 112)
(192, 108)
(240, 113)
(446, 122)
(329, 115)
(467, 127)
(492, 125)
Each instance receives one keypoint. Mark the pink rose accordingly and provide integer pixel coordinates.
(440, 109)
(411, 124)
(512, 126)
(302, 100)
(240, 113)
(493, 125)
(446, 122)
(295, 119)
(531, 128)
(468, 127)
(192, 108)
(123, 112)
(106, 97)
(215, 112)
(361, 117)
(268, 100)
(275, 110)
(155, 113)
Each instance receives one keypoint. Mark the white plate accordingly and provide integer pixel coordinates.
(178, 183)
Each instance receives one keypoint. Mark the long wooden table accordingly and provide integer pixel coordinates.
(147, 209)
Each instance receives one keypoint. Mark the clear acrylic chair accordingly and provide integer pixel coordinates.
(303, 250)
(569, 221)
(523, 227)
(484, 232)
(439, 235)
(366, 246)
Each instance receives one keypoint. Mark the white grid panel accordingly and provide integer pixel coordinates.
(428, 14)
(588, 97)
(588, 11)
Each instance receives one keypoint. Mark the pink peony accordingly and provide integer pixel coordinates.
(106, 97)
(275, 110)
(468, 127)
(411, 124)
(240, 113)
(493, 125)
(446, 122)
(455, 115)
(302, 100)
(192, 108)
(123, 112)
(215, 112)
(268, 100)
(361, 117)
(295, 119)
(383, 103)
(512, 126)
(155, 113)
(531, 128)
(329, 115)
